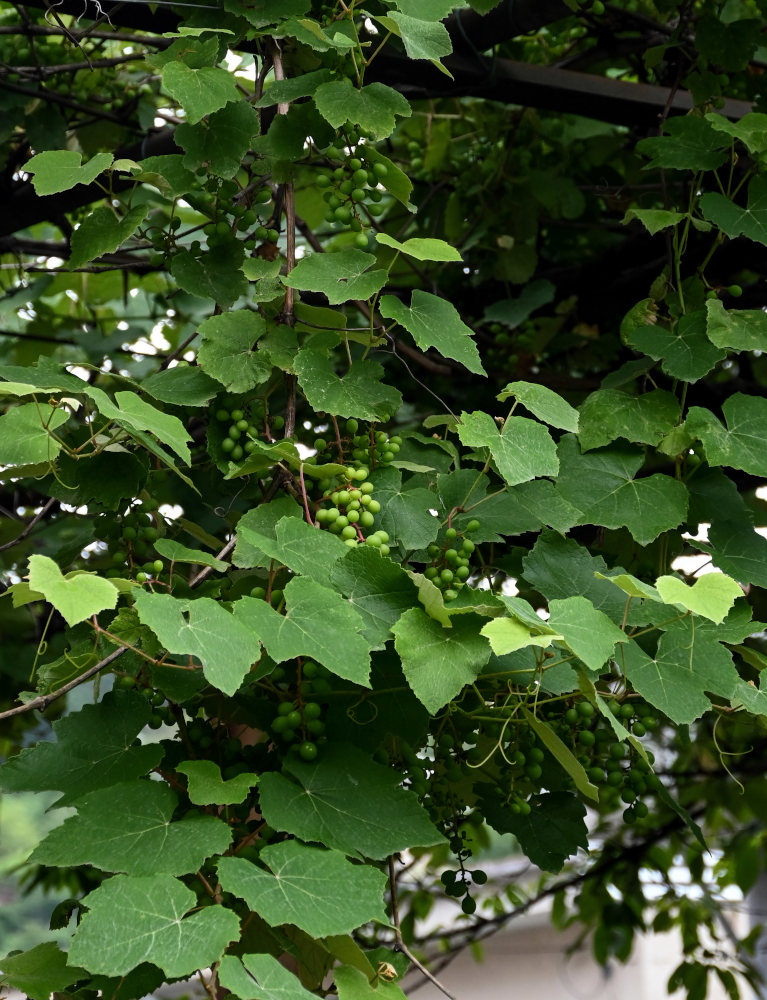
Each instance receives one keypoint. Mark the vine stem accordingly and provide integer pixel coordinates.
(35, 520)
(401, 946)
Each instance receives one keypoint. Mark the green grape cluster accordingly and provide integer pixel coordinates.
(246, 426)
(349, 187)
(450, 565)
(130, 539)
(371, 447)
(297, 722)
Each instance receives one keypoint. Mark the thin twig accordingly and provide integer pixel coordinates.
(38, 517)
(207, 570)
(401, 946)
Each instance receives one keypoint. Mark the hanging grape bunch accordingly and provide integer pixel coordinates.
(130, 539)
(450, 565)
(351, 187)
(245, 427)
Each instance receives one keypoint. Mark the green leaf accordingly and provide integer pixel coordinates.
(563, 755)
(285, 91)
(712, 595)
(654, 219)
(135, 414)
(735, 220)
(729, 44)
(262, 520)
(199, 91)
(630, 585)
(608, 414)
(396, 181)
(514, 311)
(436, 661)
(358, 392)
(287, 135)
(689, 143)
(736, 329)
(207, 787)
(683, 668)
(315, 616)
(127, 828)
(434, 322)
(373, 108)
(589, 633)
(225, 646)
(26, 434)
(184, 385)
(543, 403)
(319, 891)
(506, 635)
(39, 972)
(751, 129)
(739, 550)
(685, 351)
(421, 248)
(176, 552)
(522, 451)
(430, 597)
(301, 547)
(93, 749)
(743, 443)
(103, 232)
(602, 487)
(228, 350)
(260, 977)
(216, 276)
(59, 170)
(326, 805)
(353, 984)
(134, 920)
(341, 276)
(377, 588)
(218, 143)
(423, 39)
(405, 512)
(554, 829)
(77, 596)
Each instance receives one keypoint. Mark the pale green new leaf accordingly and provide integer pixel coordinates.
(736, 329)
(315, 617)
(128, 828)
(421, 248)
(207, 787)
(225, 646)
(260, 977)
(743, 443)
(326, 806)
(751, 129)
(608, 414)
(176, 552)
(630, 585)
(59, 170)
(712, 595)
(228, 350)
(507, 635)
(76, 596)
(319, 891)
(434, 322)
(589, 633)
(436, 661)
(522, 451)
(340, 276)
(353, 984)
(543, 403)
(654, 219)
(103, 232)
(373, 107)
(26, 434)
(134, 920)
(199, 91)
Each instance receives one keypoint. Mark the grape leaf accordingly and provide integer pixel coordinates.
(523, 450)
(326, 805)
(299, 546)
(405, 513)
(39, 972)
(93, 749)
(589, 633)
(685, 351)
(176, 552)
(423, 39)
(506, 635)
(260, 977)
(228, 350)
(743, 444)
(216, 276)
(712, 595)
(608, 414)
(76, 596)
(133, 920)
(225, 646)
(207, 787)
(353, 984)
(654, 219)
(199, 91)
(602, 487)
(285, 91)
(314, 619)
(103, 232)
(358, 392)
(434, 322)
(58, 170)
(377, 588)
(689, 143)
(543, 403)
(421, 248)
(262, 520)
(184, 385)
(317, 890)
(373, 107)
(127, 828)
(219, 142)
(739, 550)
(751, 129)
(553, 830)
(735, 220)
(436, 661)
(25, 434)
(340, 276)
(736, 329)
(135, 414)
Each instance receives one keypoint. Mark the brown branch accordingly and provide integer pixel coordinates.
(207, 570)
(35, 520)
(48, 29)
